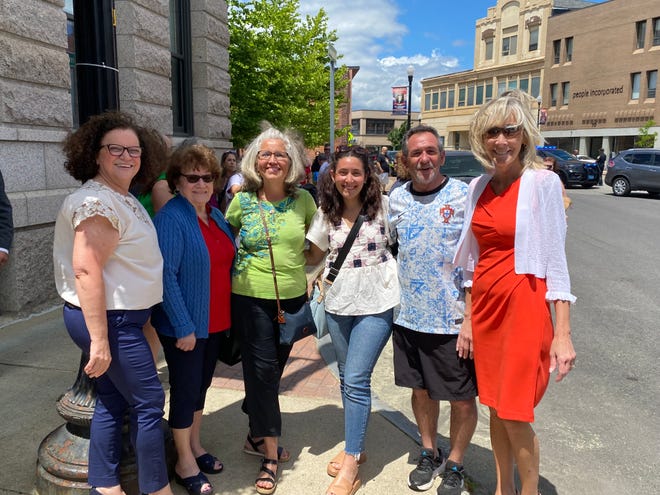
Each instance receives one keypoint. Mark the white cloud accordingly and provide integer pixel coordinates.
(369, 34)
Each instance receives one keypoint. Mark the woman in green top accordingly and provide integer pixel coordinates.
(272, 167)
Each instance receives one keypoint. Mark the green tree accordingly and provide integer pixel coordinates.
(396, 135)
(280, 72)
(646, 139)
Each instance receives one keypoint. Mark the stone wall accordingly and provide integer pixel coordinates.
(36, 113)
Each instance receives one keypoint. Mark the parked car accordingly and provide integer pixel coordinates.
(461, 165)
(571, 171)
(634, 169)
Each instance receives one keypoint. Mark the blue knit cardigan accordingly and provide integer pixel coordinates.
(186, 270)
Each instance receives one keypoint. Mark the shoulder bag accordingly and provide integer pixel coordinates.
(293, 326)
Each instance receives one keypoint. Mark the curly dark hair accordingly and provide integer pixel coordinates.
(81, 148)
(332, 203)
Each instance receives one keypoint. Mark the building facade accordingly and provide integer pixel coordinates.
(38, 102)
(601, 76)
(370, 128)
(510, 44)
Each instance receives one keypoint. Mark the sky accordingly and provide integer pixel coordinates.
(384, 37)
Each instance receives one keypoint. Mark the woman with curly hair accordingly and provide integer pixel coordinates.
(270, 208)
(359, 303)
(109, 271)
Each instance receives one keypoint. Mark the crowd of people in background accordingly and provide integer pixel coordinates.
(168, 249)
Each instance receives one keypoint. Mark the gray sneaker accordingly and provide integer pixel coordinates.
(428, 468)
(453, 479)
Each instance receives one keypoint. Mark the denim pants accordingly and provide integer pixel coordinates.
(130, 384)
(358, 342)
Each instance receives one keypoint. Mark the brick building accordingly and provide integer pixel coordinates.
(37, 107)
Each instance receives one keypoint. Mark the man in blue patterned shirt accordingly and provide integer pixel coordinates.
(432, 336)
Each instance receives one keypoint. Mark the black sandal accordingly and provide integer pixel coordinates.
(270, 478)
(254, 449)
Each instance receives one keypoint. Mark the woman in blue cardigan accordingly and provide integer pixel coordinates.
(198, 251)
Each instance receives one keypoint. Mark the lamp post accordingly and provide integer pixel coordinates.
(411, 72)
(539, 100)
(332, 53)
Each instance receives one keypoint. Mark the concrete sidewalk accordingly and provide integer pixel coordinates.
(38, 363)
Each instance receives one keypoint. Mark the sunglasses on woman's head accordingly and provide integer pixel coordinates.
(508, 131)
(194, 178)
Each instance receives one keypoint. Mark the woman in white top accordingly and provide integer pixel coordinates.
(109, 271)
(359, 304)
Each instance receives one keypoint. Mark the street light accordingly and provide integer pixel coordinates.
(539, 100)
(411, 72)
(332, 53)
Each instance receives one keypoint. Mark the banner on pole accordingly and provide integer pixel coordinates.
(399, 100)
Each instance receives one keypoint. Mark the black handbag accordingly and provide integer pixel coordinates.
(293, 326)
(230, 348)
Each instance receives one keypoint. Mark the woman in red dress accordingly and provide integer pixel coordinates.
(513, 241)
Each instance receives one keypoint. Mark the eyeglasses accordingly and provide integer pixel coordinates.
(280, 156)
(509, 131)
(118, 150)
(194, 178)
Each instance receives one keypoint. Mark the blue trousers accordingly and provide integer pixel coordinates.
(130, 385)
(358, 342)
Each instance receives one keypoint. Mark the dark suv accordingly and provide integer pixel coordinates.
(461, 165)
(634, 169)
(572, 171)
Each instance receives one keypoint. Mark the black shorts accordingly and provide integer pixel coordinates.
(430, 362)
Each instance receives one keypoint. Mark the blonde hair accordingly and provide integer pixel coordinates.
(516, 104)
(252, 181)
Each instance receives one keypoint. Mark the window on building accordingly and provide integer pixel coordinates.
(553, 94)
(635, 82)
(355, 127)
(380, 127)
(651, 83)
(565, 93)
(479, 99)
(461, 96)
(509, 45)
(427, 102)
(443, 99)
(513, 84)
(470, 95)
(569, 50)
(434, 101)
(180, 43)
(556, 51)
(640, 29)
(533, 38)
(71, 51)
(488, 52)
(501, 87)
(450, 98)
(489, 91)
(536, 86)
(656, 31)
(523, 84)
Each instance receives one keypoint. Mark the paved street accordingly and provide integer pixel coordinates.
(599, 429)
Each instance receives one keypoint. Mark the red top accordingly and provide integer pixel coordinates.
(221, 256)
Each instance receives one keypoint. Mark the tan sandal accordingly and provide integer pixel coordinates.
(342, 486)
(271, 478)
(335, 464)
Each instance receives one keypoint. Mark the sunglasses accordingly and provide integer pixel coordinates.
(509, 131)
(194, 178)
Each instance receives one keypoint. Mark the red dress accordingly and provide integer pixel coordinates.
(511, 320)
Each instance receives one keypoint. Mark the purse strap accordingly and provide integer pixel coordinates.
(280, 313)
(335, 266)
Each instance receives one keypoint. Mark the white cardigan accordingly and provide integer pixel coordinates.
(540, 237)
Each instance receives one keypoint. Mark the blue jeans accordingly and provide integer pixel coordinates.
(358, 342)
(130, 385)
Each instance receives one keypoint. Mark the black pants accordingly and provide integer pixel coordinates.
(263, 359)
